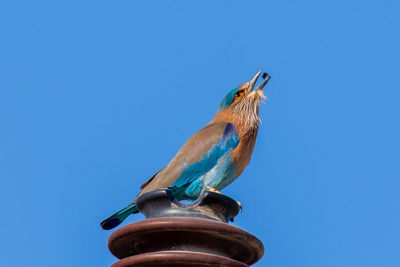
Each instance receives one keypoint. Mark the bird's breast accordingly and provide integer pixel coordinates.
(241, 155)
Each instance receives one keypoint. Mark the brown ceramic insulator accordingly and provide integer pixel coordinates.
(177, 259)
(184, 234)
(178, 241)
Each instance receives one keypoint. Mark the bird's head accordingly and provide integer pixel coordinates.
(243, 102)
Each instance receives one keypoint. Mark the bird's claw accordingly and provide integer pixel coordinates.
(212, 189)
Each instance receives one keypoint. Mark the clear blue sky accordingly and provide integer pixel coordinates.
(96, 96)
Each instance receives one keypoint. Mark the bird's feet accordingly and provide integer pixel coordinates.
(212, 189)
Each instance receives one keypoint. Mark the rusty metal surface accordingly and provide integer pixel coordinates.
(176, 234)
(177, 259)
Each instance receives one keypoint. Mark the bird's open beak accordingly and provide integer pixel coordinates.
(253, 81)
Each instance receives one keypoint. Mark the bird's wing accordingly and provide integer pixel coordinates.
(197, 156)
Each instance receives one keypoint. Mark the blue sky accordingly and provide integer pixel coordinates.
(96, 96)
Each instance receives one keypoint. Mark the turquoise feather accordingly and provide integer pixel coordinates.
(118, 217)
(228, 99)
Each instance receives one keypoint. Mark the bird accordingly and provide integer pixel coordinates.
(214, 156)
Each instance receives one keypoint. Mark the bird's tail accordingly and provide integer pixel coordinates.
(118, 217)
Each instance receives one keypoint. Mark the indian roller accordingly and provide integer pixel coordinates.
(214, 156)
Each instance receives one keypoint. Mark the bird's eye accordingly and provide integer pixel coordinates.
(239, 94)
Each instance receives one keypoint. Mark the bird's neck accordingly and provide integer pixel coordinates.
(243, 126)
